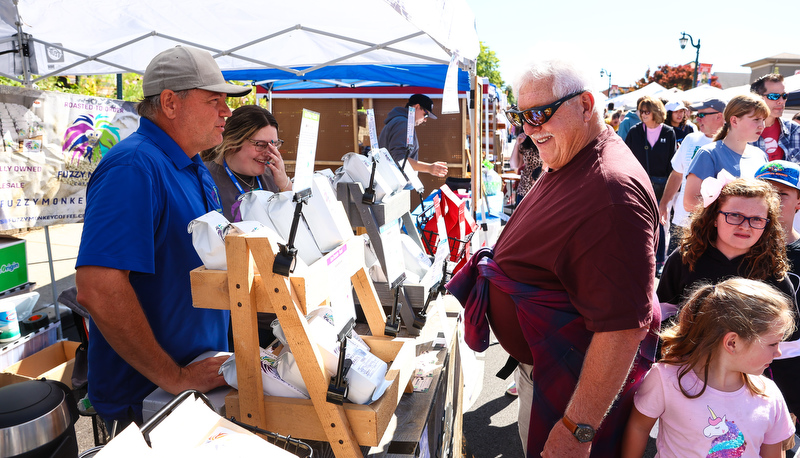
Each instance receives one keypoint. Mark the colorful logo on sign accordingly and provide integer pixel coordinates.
(89, 138)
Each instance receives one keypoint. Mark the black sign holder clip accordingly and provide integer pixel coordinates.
(286, 258)
(337, 390)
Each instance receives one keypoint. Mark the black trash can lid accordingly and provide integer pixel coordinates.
(26, 401)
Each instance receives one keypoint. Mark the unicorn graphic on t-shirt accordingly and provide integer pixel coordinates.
(728, 441)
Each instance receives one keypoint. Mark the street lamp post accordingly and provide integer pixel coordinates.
(683, 40)
(604, 72)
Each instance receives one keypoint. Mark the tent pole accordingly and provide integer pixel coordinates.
(21, 46)
(53, 281)
(119, 86)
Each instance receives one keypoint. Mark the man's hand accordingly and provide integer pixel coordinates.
(561, 443)
(663, 211)
(438, 169)
(202, 376)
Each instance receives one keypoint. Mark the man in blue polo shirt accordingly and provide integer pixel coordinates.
(135, 254)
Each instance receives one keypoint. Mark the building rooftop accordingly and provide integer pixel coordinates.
(784, 57)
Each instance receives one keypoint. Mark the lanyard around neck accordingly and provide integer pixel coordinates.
(235, 181)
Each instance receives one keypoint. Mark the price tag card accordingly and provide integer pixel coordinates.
(306, 151)
(373, 134)
(410, 126)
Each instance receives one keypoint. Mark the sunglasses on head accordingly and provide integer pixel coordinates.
(703, 115)
(776, 96)
(537, 116)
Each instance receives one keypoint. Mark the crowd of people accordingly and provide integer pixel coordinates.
(571, 290)
(616, 322)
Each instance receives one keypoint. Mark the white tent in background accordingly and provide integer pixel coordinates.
(731, 92)
(701, 93)
(792, 83)
(628, 100)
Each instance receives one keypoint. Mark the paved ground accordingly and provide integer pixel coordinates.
(490, 429)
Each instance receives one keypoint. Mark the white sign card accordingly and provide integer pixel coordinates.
(392, 250)
(450, 92)
(306, 151)
(410, 126)
(373, 133)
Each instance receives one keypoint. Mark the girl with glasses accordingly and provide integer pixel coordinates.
(654, 143)
(744, 121)
(737, 234)
(247, 159)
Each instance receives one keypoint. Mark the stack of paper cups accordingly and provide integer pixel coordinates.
(9, 326)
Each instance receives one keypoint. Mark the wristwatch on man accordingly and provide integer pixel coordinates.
(582, 432)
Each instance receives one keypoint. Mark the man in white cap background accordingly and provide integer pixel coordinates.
(393, 135)
(135, 254)
(709, 121)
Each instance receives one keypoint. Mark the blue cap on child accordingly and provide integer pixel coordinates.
(784, 172)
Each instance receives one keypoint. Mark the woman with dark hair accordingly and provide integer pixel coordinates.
(653, 143)
(677, 117)
(247, 159)
(525, 159)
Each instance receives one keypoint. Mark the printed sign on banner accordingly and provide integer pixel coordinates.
(51, 145)
(306, 151)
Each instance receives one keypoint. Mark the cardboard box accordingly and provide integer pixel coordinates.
(54, 363)
(13, 263)
(10, 379)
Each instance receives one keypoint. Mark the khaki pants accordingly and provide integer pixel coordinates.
(522, 377)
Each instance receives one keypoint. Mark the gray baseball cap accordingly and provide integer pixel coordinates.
(182, 68)
(715, 104)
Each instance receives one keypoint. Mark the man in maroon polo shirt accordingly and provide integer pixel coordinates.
(570, 285)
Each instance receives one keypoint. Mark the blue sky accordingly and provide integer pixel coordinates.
(626, 40)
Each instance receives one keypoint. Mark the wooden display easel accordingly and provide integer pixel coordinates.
(249, 286)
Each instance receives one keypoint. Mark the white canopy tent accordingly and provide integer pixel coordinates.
(379, 41)
(628, 100)
(371, 39)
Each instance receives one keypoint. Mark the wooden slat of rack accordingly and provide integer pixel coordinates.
(245, 327)
(309, 361)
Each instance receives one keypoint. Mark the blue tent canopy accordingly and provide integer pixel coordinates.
(350, 76)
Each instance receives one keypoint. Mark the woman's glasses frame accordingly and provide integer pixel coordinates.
(262, 146)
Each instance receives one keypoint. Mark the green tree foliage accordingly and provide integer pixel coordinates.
(488, 66)
(679, 76)
(106, 86)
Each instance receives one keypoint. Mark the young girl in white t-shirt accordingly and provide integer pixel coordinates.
(707, 391)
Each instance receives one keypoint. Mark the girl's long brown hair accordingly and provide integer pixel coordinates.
(767, 258)
(747, 307)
